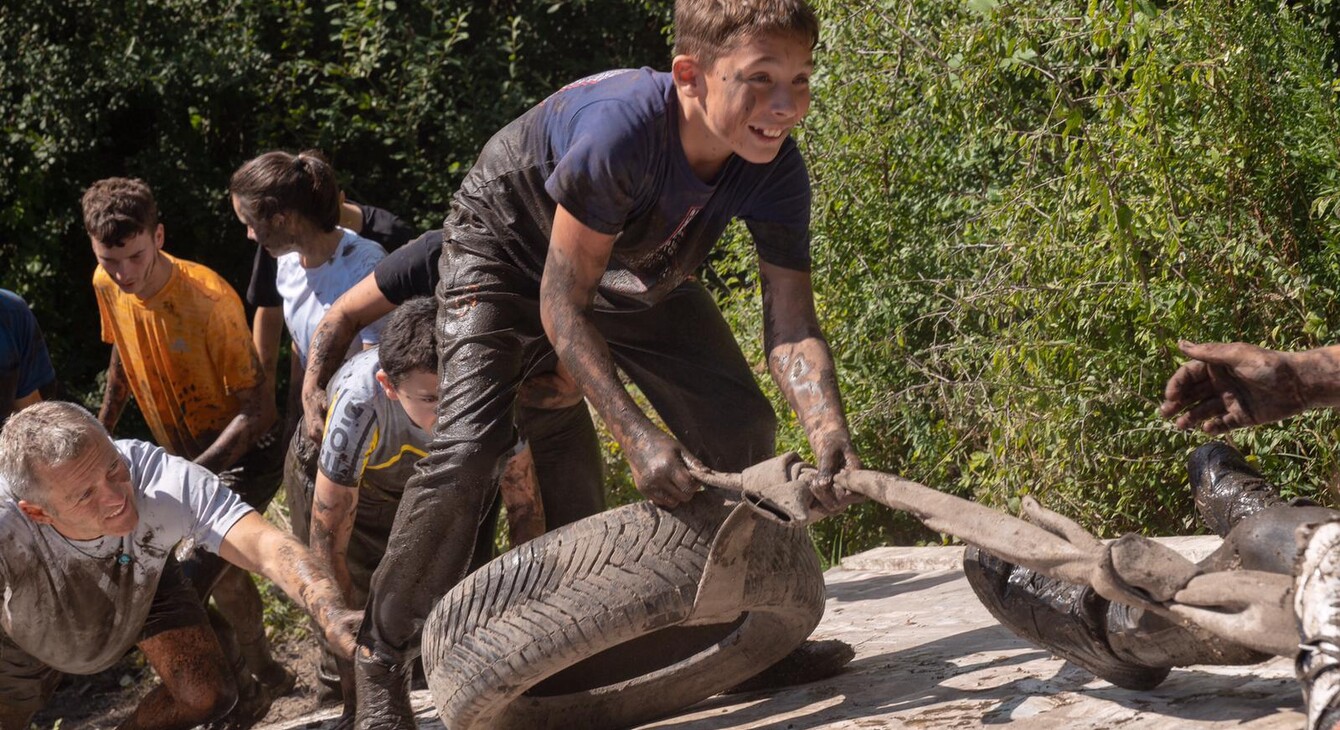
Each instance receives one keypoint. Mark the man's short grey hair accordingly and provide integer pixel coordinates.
(43, 435)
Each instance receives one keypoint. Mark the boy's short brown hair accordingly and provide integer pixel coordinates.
(409, 340)
(117, 208)
(706, 29)
(278, 182)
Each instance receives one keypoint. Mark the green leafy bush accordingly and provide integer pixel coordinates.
(1022, 206)
(400, 95)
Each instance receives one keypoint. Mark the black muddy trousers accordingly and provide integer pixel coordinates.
(566, 451)
(680, 353)
(1264, 541)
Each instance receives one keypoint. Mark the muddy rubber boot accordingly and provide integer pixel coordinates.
(1317, 605)
(1066, 619)
(383, 694)
(1226, 488)
(809, 662)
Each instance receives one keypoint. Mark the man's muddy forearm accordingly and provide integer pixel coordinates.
(583, 351)
(805, 373)
(302, 577)
(241, 433)
(1318, 373)
(332, 525)
(329, 343)
(802, 366)
(115, 395)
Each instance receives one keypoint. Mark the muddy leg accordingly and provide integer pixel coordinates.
(240, 603)
(521, 496)
(197, 685)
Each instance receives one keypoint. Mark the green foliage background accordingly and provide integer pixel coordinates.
(1020, 207)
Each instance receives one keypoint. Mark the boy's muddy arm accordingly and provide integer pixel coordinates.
(115, 395)
(258, 547)
(802, 366)
(241, 433)
(576, 261)
(1231, 385)
(333, 509)
(355, 309)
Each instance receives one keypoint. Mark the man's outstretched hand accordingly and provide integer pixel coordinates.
(1231, 385)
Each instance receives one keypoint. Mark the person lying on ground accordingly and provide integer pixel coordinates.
(1136, 647)
(552, 417)
(375, 224)
(1224, 386)
(25, 365)
(88, 568)
(384, 403)
(573, 239)
(180, 345)
(1234, 385)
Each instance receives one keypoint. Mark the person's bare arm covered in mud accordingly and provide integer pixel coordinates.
(115, 395)
(549, 390)
(258, 547)
(241, 433)
(1231, 385)
(802, 366)
(576, 261)
(355, 309)
(333, 509)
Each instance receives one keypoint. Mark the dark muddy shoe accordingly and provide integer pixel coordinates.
(1063, 618)
(810, 662)
(253, 704)
(1226, 488)
(1317, 605)
(277, 680)
(383, 694)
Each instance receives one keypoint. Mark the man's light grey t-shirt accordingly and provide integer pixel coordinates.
(70, 603)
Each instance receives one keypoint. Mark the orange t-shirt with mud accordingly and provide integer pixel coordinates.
(186, 351)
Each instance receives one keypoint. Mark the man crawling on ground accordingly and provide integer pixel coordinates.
(87, 567)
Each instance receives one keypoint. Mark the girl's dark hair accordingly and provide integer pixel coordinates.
(279, 182)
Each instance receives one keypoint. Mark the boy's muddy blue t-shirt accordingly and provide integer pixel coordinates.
(607, 148)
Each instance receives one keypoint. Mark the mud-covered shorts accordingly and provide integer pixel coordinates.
(26, 682)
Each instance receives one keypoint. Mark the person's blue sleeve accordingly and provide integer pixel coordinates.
(601, 176)
(779, 217)
(34, 362)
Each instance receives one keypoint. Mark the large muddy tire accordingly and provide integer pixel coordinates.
(581, 627)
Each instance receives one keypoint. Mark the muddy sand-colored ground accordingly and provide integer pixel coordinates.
(928, 655)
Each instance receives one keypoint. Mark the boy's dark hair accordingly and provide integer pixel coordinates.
(117, 208)
(707, 29)
(409, 340)
(278, 182)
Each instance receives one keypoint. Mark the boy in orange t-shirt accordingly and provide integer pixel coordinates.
(181, 346)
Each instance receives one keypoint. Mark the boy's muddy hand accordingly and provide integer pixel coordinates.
(660, 468)
(1231, 385)
(314, 405)
(834, 456)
